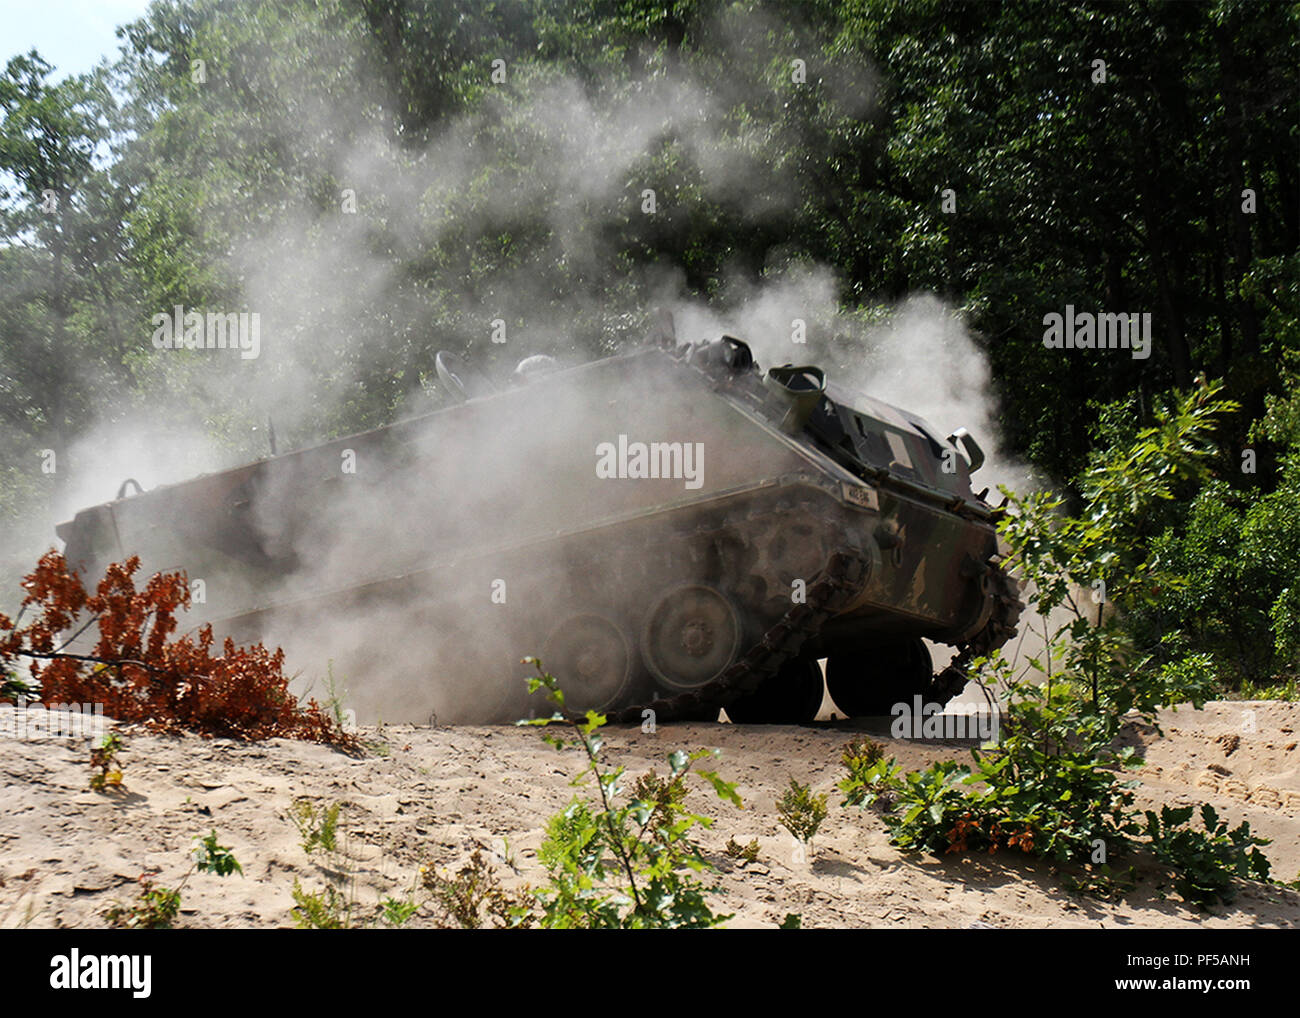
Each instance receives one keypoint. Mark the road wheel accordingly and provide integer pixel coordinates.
(591, 657)
(691, 636)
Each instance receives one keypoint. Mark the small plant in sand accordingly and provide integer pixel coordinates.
(317, 826)
(397, 912)
(474, 896)
(860, 754)
(336, 693)
(106, 771)
(801, 813)
(620, 861)
(327, 909)
(337, 905)
(156, 908)
(745, 853)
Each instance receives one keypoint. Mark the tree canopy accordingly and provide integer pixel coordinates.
(382, 178)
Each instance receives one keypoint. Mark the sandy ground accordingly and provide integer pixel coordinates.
(431, 795)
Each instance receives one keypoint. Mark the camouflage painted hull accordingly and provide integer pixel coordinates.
(670, 530)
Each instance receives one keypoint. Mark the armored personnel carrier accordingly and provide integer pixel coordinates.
(669, 529)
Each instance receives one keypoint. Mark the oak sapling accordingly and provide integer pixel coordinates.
(104, 757)
(801, 812)
(156, 908)
(623, 861)
(141, 669)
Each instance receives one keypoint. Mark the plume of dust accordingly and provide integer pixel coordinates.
(95, 467)
(920, 357)
(136, 448)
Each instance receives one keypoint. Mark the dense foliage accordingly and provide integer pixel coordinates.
(1052, 785)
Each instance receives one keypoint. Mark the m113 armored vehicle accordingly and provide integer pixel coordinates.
(669, 529)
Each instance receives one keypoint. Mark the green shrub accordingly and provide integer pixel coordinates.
(1202, 864)
(1052, 786)
(801, 813)
(318, 827)
(1236, 557)
(1228, 554)
(617, 860)
(155, 907)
